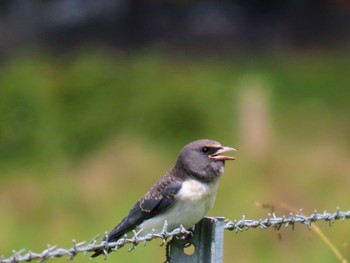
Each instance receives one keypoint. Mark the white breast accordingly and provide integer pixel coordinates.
(193, 201)
(196, 191)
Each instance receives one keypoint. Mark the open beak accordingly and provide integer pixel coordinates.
(217, 157)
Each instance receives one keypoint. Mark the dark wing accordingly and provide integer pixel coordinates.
(156, 201)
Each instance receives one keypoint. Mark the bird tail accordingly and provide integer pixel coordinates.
(99, 252)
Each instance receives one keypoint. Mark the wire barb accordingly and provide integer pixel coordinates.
(234, 225)
(277, 222)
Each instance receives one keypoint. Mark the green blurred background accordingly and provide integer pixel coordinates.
(88, 124)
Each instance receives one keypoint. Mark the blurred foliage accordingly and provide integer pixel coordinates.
(83, 136)
(69, 106)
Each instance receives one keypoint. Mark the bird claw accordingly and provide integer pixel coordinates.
(188, 234)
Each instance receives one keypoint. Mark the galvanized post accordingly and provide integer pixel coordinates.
(208, 242)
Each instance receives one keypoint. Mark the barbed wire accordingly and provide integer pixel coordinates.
(278, 222)
(93, 246)
(234, 225)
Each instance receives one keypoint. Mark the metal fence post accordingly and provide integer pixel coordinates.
(208, 242)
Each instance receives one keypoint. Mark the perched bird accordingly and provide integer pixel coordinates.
(182, 196)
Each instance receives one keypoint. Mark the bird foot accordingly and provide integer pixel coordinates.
(188, 234)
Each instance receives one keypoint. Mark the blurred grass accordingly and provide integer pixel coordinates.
(82, 137)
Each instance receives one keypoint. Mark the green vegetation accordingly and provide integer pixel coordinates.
(82, 137)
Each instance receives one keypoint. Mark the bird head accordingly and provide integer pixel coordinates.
(203, 159)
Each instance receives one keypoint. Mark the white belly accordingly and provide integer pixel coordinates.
(193, 201)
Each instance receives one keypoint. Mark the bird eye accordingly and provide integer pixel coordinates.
(205, 150)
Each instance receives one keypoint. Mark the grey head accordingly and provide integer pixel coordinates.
(202, 160)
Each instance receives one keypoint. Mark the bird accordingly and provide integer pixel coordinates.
(182, 196)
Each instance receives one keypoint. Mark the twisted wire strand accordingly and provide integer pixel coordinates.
(233, 225)
(291, 220)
